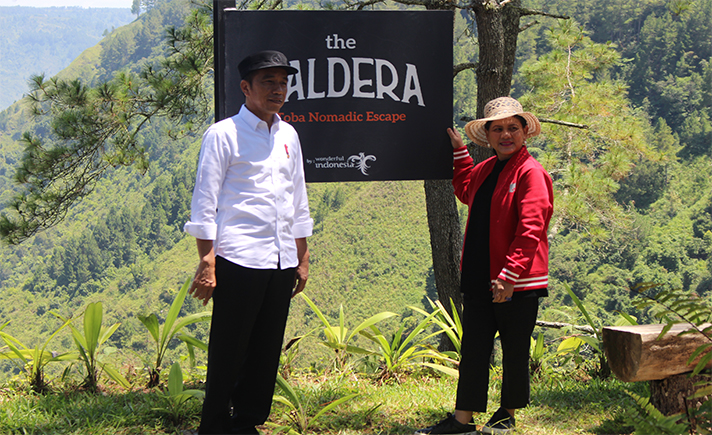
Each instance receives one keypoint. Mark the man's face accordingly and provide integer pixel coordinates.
(265, 95)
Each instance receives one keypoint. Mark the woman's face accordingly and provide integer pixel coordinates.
(506, 136)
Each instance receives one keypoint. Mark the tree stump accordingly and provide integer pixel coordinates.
(670, 396)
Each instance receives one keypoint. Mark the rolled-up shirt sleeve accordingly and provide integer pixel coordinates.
(212, 166)
(303, 223)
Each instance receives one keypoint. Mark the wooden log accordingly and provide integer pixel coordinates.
(635, 354)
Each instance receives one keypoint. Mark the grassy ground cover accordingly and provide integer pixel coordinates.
(567, 405)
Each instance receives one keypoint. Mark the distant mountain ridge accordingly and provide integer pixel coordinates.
(47, 40)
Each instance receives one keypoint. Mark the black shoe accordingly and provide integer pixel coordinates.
(449, 426)
(500, 423)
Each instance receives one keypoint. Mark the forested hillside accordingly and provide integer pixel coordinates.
(47, 40)
(633, 192)
(665, 70)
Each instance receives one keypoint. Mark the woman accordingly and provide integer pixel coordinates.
(504, 262)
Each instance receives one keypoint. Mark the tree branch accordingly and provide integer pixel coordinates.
(542, 120)
(528, 25)
(564, 123)
(457, 69)
(526, 12)
(368, 3)
(558, 325)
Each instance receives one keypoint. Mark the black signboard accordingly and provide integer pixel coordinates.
(373, 96)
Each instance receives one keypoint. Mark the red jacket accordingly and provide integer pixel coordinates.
(522, 204)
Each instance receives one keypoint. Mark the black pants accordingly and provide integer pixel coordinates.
(515, 321)
(250, 308)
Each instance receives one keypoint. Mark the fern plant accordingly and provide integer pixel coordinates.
(652, 422)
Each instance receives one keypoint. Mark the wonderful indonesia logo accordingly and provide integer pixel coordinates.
(359, 162)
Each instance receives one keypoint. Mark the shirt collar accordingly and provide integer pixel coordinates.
(253, 121)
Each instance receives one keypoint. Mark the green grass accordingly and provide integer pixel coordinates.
(575, 404)
(86, 413)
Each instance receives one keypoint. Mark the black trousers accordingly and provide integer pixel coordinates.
(250, 308)
(481, 319)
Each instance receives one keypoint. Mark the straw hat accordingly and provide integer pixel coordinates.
(500, 108)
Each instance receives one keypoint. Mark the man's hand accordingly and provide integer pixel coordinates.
(204, 281)
(502, 291)
(302, 273)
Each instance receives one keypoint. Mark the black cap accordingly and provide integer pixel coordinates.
(262, 60)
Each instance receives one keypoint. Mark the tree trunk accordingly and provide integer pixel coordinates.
(510, 24)
(671, 395)
(498, 29)
(497, 33)
(490, 65)
(445, 243)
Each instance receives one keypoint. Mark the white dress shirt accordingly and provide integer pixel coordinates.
(250, 196)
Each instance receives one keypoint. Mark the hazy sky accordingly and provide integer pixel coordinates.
(83, 3)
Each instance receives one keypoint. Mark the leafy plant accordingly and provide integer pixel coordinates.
(88, 344)
(595, 341)
(191, 343)
(653, 422)
(701, 418)
(299, 406)
(338, 336)
(400, 353)
(538, 354)
(450, 325)
(286, 358)
(33, 360)
(171, 328)
(177, 397)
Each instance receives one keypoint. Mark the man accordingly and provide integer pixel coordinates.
(250, 217)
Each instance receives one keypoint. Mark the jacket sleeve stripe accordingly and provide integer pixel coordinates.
(460, 154)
